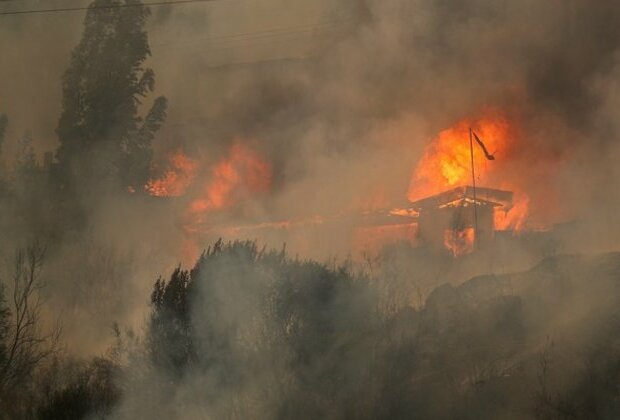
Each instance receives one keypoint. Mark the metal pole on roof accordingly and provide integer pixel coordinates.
(473, 181)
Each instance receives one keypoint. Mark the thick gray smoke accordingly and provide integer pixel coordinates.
(340, 100)
(345, 119)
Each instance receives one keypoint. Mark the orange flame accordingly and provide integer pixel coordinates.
(239, 174)
(446, 164)
(176, 179)
(514, 218)
(242, 171)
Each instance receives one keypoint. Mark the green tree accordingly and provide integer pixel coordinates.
(102, 134)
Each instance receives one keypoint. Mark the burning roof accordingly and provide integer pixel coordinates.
(483, 196)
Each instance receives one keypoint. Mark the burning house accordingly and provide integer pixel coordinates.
(442, 211)
(460, 219)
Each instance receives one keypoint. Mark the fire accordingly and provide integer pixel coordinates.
(175, 181)
(446, 164)
(459, 242)
(241, 169)
(240, 173)
(516, 217)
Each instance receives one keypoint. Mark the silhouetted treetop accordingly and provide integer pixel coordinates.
(101, 132)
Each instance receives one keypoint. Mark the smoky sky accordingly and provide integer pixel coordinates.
(252, 69)
(340, 98)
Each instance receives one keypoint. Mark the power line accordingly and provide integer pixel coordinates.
(117, 6)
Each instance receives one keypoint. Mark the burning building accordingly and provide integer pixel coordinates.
(442, 212)
(460, 219)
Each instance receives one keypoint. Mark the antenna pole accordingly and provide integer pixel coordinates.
(473, 181)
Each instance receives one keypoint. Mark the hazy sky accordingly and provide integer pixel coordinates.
(185, 41)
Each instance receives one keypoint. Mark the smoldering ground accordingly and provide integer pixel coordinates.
(340, 100)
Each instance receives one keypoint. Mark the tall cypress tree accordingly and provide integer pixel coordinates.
(102, 135)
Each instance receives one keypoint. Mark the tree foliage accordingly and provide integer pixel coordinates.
(242, 311)
(250, 333)
(102, 136)
(90, 393)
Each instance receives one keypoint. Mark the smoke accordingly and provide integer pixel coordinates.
(339, 100)
(347, 122)
(251, 333)
(353, 90)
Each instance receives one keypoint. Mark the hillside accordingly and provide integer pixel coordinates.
(546, 339)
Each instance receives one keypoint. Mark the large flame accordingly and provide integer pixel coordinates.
(447, 163)
(240, 173)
